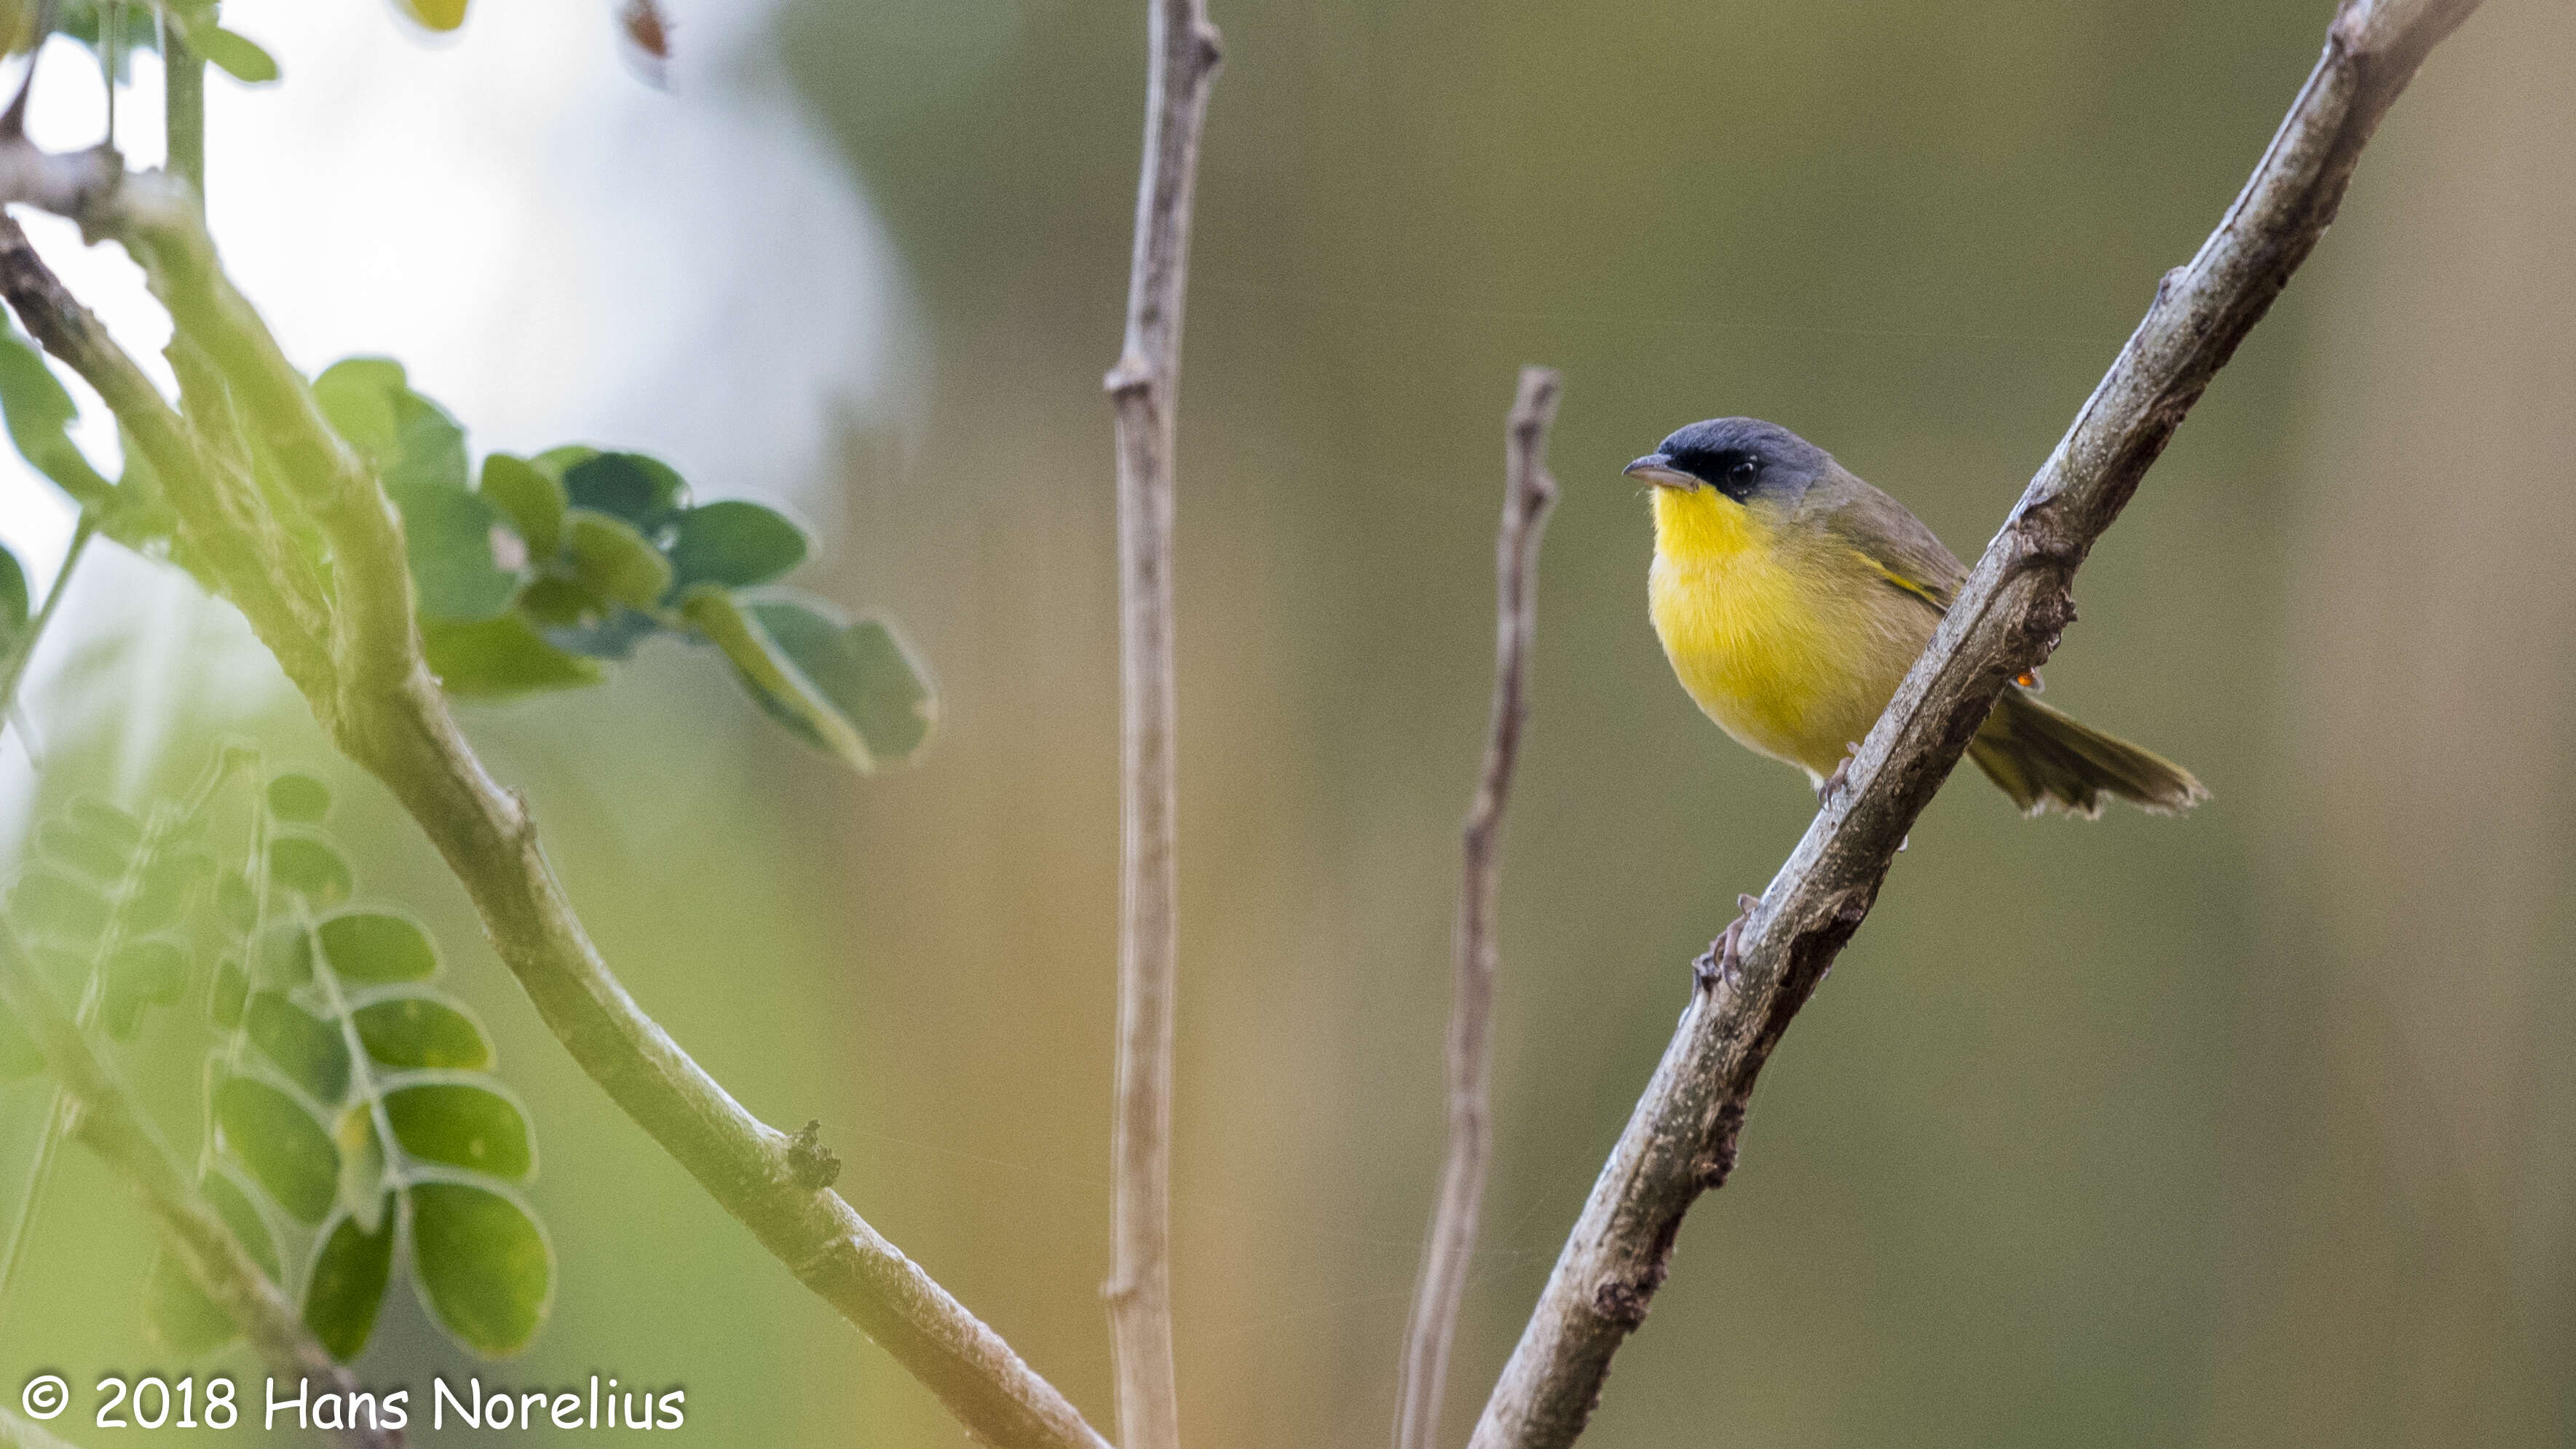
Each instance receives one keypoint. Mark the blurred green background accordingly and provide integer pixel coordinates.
(2252, 1128)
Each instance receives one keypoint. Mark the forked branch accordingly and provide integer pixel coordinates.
(1529, 491)
(1144, 387)
(1681, 1140)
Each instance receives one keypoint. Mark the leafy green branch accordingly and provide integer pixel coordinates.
(298, 530)
(114, 1125)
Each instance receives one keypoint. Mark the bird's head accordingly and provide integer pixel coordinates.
(1744, 459)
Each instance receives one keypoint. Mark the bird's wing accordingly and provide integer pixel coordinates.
(1893, 541)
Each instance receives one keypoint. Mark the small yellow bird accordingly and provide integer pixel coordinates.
(1792, 597)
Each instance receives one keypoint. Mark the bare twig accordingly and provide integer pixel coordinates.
(1681, 1140)
(112, 1125)
(1144, 388)
(1529, 491)
(360, 667)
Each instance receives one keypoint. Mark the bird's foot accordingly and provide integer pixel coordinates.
(1836, 782)
(1720, 961)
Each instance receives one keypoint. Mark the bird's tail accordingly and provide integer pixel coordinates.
(2042, 758)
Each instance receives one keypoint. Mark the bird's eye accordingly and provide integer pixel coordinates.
(1743, 470)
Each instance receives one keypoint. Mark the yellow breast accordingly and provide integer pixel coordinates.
(1775, 642)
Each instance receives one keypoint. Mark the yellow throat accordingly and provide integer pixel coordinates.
(1759, 632)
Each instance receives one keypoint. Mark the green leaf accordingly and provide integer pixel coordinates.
(643, 491)
(409, 1033)
(530, 497)
(499, 658)
(239, 903)
(346, 1284)
(420, 451)
(282, 957)
(55, 903)
(376, 947)
(102, 860)
(357, 395)
(235, 55)
(462, 1125)
(13, 597)
(555, 462)
(306, 1048)
(281, 1144)
(773, 678)
(362, 1167)
(39, 412)
(734, 543)
(179, 1315)
(148, 972)
(484, 1266)
(230, 995)
(168, 883)
(304, 862)
(447, 534)
(100, 818)
(298, 799)
(439, 15)
(613, 559)
(866, 669)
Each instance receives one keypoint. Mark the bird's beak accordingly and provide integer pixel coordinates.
(1657, 469)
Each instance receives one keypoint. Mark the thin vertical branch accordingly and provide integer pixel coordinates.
(183, 88)
(1529, 491)
(1681, 1139)
(1144, 387)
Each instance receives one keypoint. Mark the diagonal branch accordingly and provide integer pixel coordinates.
(115, 1127)
(1529, 491)
(1144, 387)
(371, 689)
(1681, 1140)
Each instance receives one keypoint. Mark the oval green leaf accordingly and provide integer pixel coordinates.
(356, 395)
(55, 903)
(484, 1266)
(773, 678)
(229, 996)
(290, 1154)
(530, 497)
(305, 863)
(441, 15)
(299, 799)
(375, 947)
(499, 658)
(414, 1033)
(235, 55)
(93, 855)
(614, 560)
(39, 413)
(362, 1166)
(462, 1125)
(631, 486)
(866, 669)
(346, 1285)
(734, 543)
(306, 1048)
